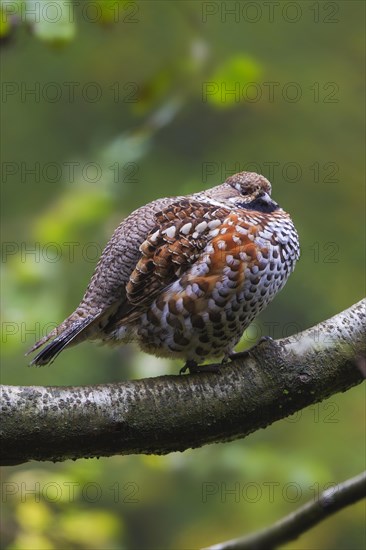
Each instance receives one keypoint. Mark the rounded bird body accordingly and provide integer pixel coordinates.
(184, 277)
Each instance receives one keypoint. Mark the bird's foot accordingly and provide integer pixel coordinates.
(247, 352)
(195, 369)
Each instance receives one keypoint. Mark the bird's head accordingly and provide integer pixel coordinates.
(246, 190)
(249, 184)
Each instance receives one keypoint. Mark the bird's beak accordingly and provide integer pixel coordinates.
(266, 198)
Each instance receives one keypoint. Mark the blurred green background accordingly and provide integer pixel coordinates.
(108, 105)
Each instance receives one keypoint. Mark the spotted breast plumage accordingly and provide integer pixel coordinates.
(184, 276)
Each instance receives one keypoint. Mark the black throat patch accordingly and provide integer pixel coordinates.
(260, 205)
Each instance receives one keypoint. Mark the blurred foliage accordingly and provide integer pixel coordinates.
(107, 106)
(54, 21)
(239, 69)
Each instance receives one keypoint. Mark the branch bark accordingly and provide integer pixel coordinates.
(290, 527)
(173, 413)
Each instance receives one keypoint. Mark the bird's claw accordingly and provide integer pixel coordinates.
(247, 352)
(195, 369)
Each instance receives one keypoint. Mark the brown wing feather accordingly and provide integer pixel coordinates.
(172, 246)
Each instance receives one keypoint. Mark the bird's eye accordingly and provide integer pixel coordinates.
(248, 192)
(242, 190)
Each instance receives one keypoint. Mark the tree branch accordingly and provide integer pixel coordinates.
(290, 527)
(173, 413)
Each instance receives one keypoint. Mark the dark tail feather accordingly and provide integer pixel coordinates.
(51, 351)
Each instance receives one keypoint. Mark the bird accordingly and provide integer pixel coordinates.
(183, 277)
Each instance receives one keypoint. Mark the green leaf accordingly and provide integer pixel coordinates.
(52, 22)
(4, 24)
(109, 11)
(91, 528)
(227, 86)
